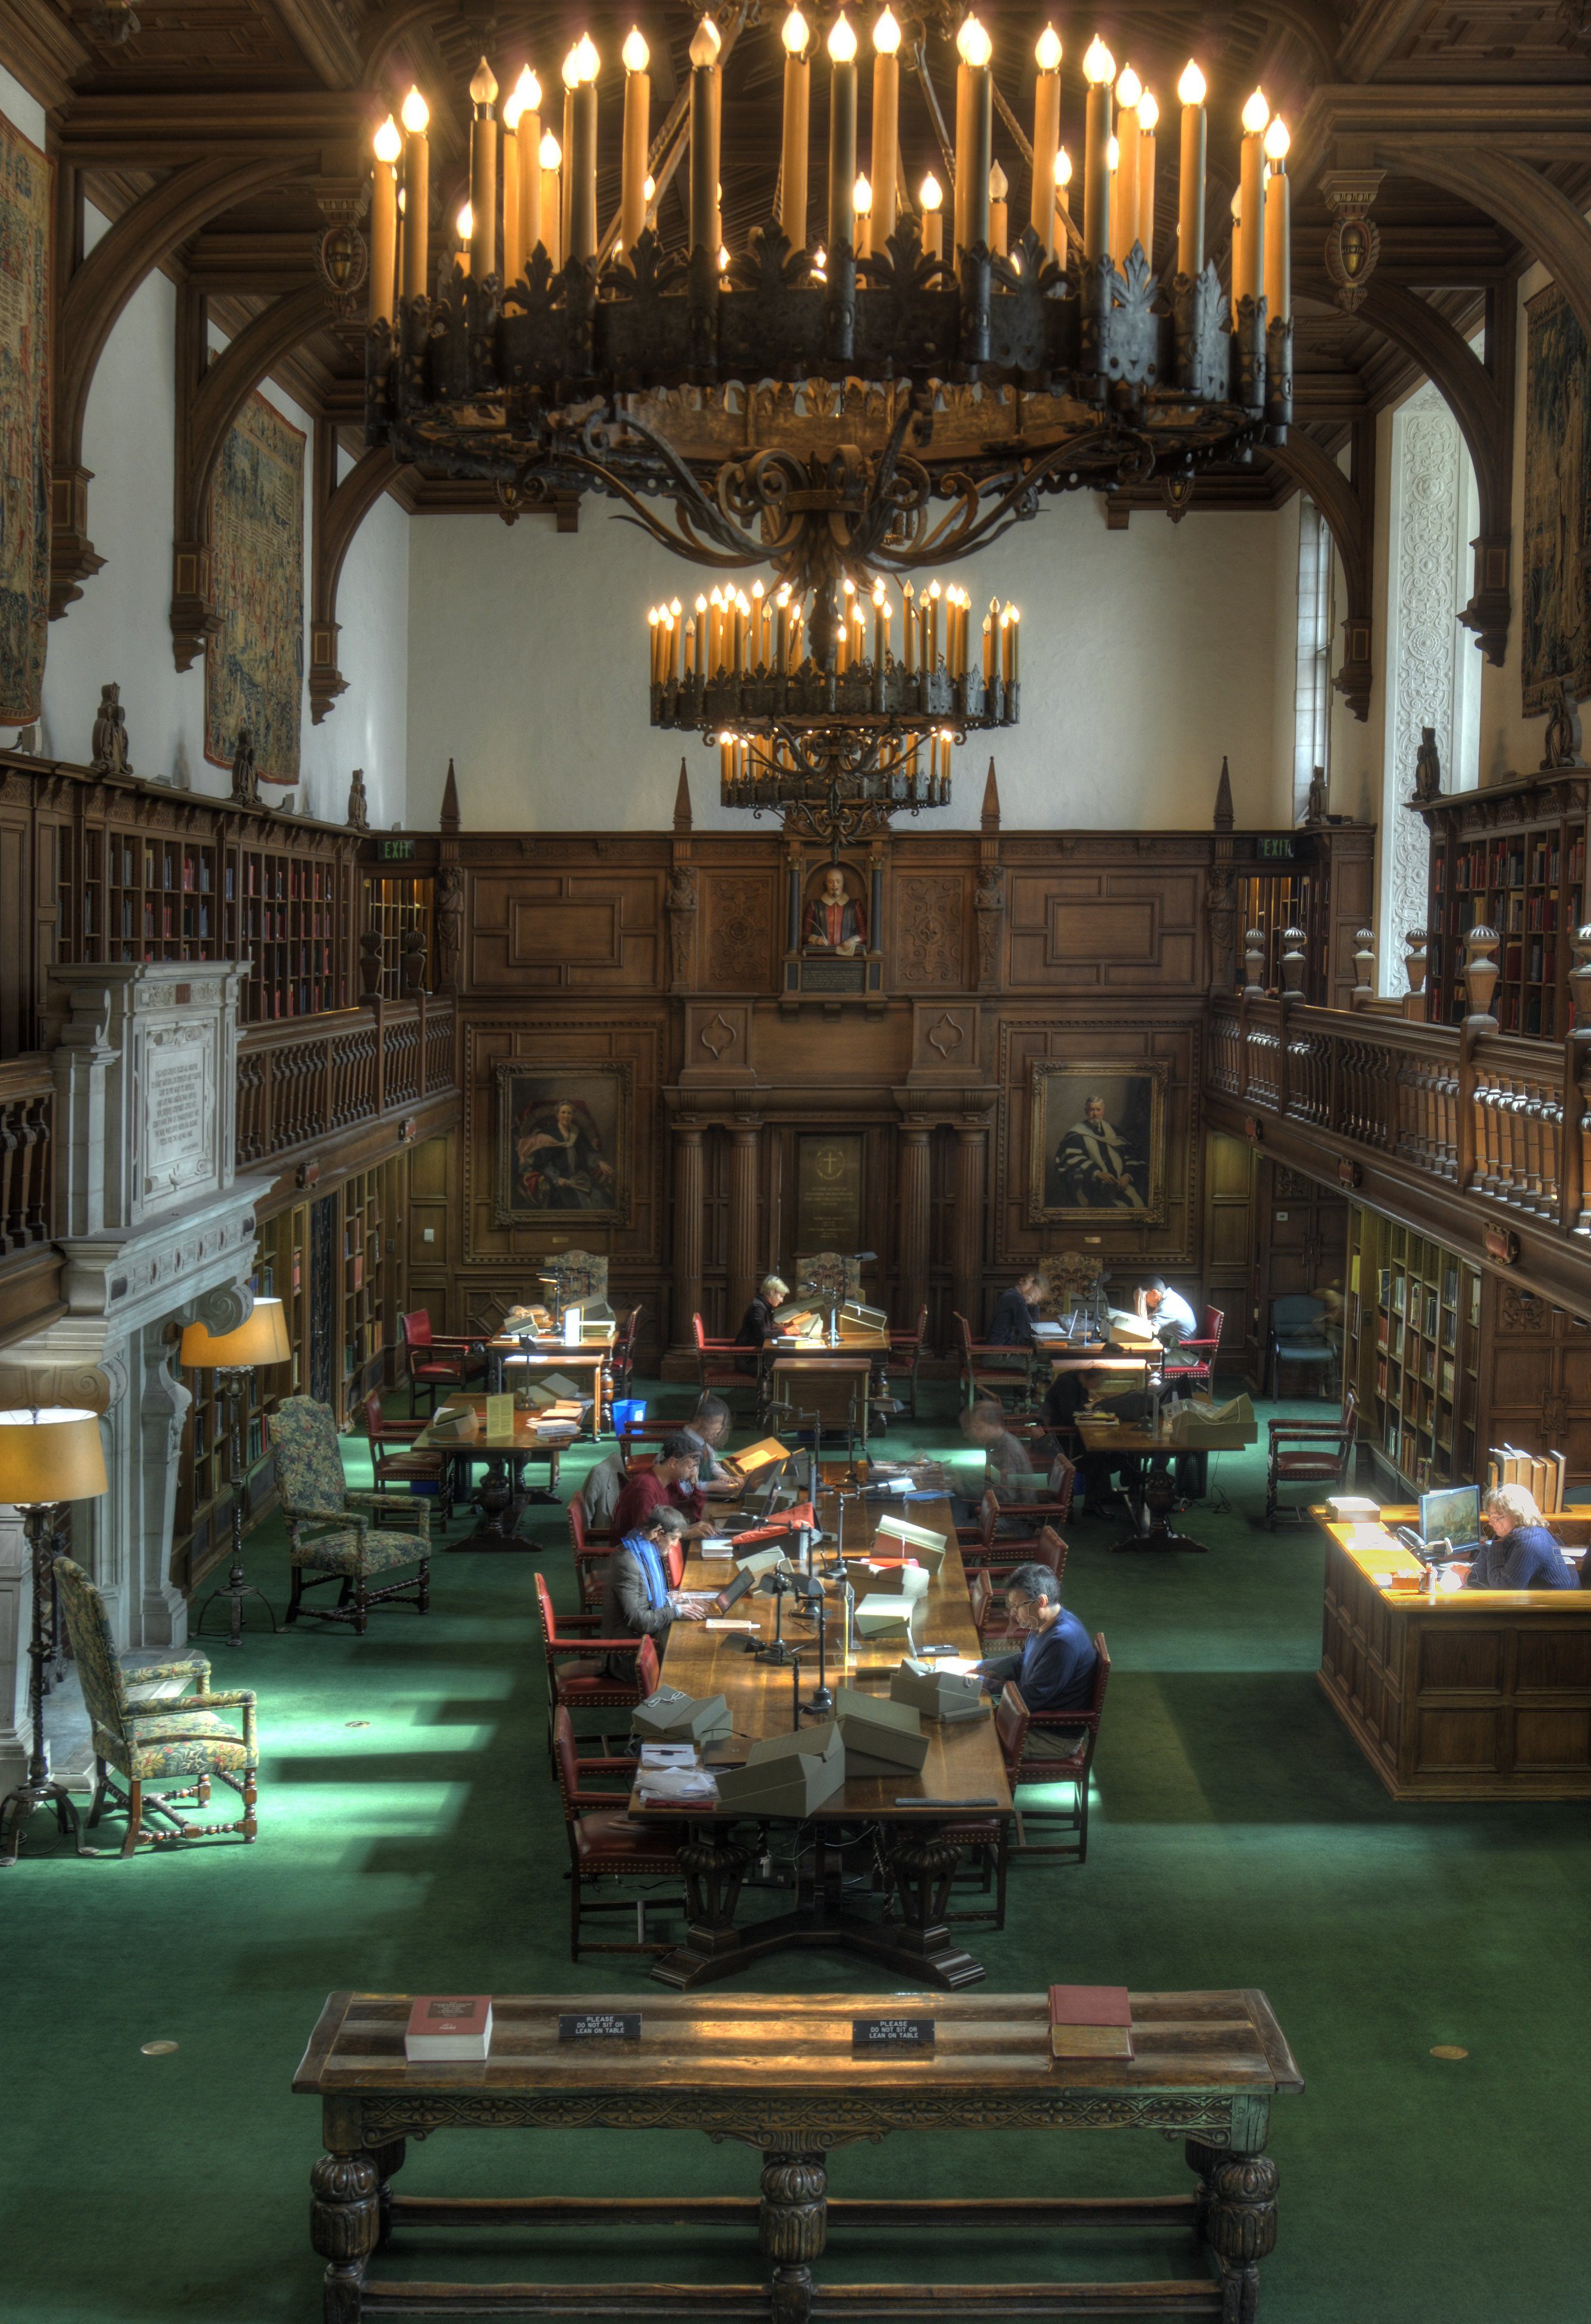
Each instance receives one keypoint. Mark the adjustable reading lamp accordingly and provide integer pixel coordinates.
(50, 1454)
(260, 1342)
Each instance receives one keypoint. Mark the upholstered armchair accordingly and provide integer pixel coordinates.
(181, 1742)
(338, 1536)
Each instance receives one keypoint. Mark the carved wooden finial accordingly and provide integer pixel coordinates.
(449, 820)
(1224, 818)
(991, 800)
(682, 801)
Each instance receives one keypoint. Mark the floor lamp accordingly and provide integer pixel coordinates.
(48, 1455)
(232, 1356)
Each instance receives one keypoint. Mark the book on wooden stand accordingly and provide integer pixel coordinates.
(1090, 2021)
(882, 1737)
(882, 1614)
(672, 1716)
(786, 1775)
(448, 2029)
(939, 1694)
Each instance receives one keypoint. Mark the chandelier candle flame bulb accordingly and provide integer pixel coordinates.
(999, 210)
(1256, 115)
(974, 136)
(482, 172)
(1191, 94)
(1148, 121)
(1278, 200)
(884, 152)
(932, 198)
(552, 199)
(706, 94)
(841, 136)
(1124, 196)
(465, 225)
(1098, 72)
(417, 185)
(383, 224)
(796, 36)
(1046, 135)
(861, 203)
(638, 116)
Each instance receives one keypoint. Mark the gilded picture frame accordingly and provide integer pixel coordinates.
(1097, 1143)
(564, 1147)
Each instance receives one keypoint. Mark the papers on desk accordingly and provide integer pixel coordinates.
(676, 1787)
(717, 1622)
(716, 1545)
(669, 1754)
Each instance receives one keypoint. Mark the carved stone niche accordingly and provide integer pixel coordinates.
(718, 1044)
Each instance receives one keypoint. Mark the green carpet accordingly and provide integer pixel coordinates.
(410, 1839)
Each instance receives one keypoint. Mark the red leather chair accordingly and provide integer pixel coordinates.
(983, 1544)
(605, 1844)
(1060, 1749)
(990, 1836)
(1309, 1453)
(995, 1631)
(674, 1564)
(1201, 1372)
(979, 1598)
(577, 1678)
(718, 1361)
(592, 1551)
(434, 1362)
(988, 1370)
(392, 1465)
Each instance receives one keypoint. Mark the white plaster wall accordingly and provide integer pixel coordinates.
(120, 627)
(1145, 656)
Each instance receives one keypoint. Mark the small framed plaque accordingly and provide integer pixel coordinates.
(892, 2035)
(601, 2026)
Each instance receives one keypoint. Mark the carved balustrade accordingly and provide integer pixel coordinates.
(27, 1096)
(297, 1083)
(1460, 1105)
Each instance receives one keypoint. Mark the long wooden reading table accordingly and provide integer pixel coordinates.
(787, 2075)
(1473, 1694)
(465, 1439)
(900, 1819)
(1151, 1499)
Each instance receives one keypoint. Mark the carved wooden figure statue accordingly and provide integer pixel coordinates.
(245, 782)
(449, 920)
(1315, 809)
(110, 735)
(1428, 766)
(1562, 743)
(358, 807)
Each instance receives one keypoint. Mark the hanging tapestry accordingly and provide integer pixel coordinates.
(24, 424)
(1557, 639)
(254, 664)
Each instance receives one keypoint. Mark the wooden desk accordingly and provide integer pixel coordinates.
(501, 1495)
(834, 1385)
(510, 1358)
(1479, 1694)
(963, 1764)
(1152, 1504)
(778, 2072)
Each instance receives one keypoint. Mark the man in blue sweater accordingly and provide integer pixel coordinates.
(1054, 1665)
(1521, 1553)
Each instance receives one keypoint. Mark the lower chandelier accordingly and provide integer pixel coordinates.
(836, 748)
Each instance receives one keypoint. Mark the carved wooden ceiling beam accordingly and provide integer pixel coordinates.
(338, 515)
(142, 239)
(209, 397)
(1543, 121)
(1349, 508)
(327, 131)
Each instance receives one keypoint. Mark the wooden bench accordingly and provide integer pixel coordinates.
(781, 2073)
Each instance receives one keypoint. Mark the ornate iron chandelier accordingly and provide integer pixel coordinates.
(868, 407)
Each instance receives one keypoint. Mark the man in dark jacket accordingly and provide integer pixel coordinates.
(1054, 1665)
(1013, 1314)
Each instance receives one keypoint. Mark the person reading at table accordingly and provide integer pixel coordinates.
(1054, 1666)
(637, 1601)
(757, 1324)
(670, 1481)
(1016, 1312)
(1006, 1462)
(707, 1428)
(1166, 1312)
(1521, 1553)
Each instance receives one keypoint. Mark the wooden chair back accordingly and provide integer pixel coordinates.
(648, 1671)
(1011, 1720)
(980, 1592)
(674, 1564)
(416, 1329)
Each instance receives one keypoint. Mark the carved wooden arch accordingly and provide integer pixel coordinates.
(1347, 508)
(1481, 400)
(140, 239)
(384, 31)
(213, 405)
(1543, 220)
(338, 519)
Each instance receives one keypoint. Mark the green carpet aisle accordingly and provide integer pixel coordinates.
(411, 1839)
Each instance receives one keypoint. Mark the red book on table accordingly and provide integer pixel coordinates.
(448, 2029)
(1090, 2021)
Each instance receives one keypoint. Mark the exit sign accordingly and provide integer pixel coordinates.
(1278, 849)
(397, 850)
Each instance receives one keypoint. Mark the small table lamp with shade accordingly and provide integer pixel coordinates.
(48, 1455)
(232, 1356)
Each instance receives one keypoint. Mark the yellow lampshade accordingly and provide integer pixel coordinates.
(262, 1340)
(53, 1455)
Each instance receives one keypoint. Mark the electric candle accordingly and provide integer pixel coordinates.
(1257, 114)
(798, 105)
(484, 172)
(861, 203)
(1191, 181)
(1148, 121)
(999, 210)
(416, 193)
(582, 158)
(1047, 134)
(1098, 72)
(841, 134)
(552, 199)
(1123, 198)
(705, 44)
(933, 201)
(974, 151)
(1278, 226)
(638, 112)
(383, 224)
(465, 225)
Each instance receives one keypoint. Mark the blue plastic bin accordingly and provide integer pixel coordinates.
(628, 1411)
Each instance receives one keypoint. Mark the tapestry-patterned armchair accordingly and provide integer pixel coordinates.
(1068, 1276)
(338, 1536)
(184, 1742)
(828, 1276)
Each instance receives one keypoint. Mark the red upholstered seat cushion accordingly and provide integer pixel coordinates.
(979, 1834)
(601, 1835)
(435, 1371)
(590, 1683)
(1308, 1464)
(1052, 1757)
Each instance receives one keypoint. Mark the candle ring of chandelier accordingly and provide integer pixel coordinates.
(835, 784)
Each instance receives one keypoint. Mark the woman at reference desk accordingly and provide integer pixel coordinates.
(1521, 1553)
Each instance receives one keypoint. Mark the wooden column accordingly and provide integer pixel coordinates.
(967, 1246)
(912, 1195)
(744, 1137)
(688, 1228)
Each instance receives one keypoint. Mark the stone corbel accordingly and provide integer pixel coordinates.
(84, 1387)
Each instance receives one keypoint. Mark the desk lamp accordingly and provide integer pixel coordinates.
(48, 1455)
(232, 1356)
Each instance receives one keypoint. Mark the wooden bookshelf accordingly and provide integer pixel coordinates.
(1414, 1343)
(393, 907)
(202, 1532)
(1513, 858)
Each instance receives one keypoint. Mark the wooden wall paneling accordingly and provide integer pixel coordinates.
(1105, 928)
(1300, 1243)
(1535, 1377)
(1230, 1170)
(742, 922)
(575, 927)
(931, 946)
(431, 1234)
(17, 985)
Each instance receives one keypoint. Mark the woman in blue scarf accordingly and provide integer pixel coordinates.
(636, 1600)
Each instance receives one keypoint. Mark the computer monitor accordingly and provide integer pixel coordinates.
(736, 1591)
(1452, 1515)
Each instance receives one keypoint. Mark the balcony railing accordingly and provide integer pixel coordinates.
(1480, 1112)
(298, 1083)
(27, 1099)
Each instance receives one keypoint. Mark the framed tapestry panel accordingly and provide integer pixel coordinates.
(1555, 639)
(564, 1145)
(254, 664)
(25, 181)
(1098, 1143)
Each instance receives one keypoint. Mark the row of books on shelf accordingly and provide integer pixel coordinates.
(1535, 859)
(290, 999)
(1544, 1477)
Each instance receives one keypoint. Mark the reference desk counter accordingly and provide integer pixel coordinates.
(792, 2076)
(1473, 1695)
(896, 1821)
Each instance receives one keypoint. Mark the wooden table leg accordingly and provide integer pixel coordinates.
(792, 2227)
(1153, 1529)
(345, 2227)
(1238, 2214)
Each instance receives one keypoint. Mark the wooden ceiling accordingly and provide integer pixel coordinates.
(224, 68)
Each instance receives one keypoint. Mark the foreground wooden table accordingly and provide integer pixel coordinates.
(899, 1813)
(1482, 1694)
(513, 1360)
(778, 2072)
(1152, 1504)
(501, 1495)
